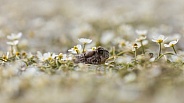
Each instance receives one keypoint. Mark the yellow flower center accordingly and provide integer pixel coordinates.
(93, 48)
(75, 47)
(77, 50)
(24, 54)
(17, 53)
(135, 45)
(60, 55)
(123, 44)
(5, 58)
(159, 41)
(172, 45)
(49, 58)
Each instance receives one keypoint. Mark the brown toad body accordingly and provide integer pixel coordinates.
(97, 56)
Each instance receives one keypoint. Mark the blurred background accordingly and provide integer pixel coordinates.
(59, 23)
(56, 25)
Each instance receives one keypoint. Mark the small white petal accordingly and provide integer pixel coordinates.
(166, 45)
(13, 42)
(174, 42)
(7, 54)
(29, 55)
(161, 37)
(79, 47)
(19, 35)
(14, 36)
(141, 32)
(39, 55)
(154, 40)
(66, 57)
(84, 40)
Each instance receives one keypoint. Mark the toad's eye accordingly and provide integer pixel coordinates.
(100, 51)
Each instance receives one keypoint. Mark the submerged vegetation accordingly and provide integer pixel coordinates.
(38, 51)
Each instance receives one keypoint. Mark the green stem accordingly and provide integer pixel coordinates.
(135, 54)
(113, 51)
(84, 45)
(142, 46)
(11, 47)
(174, 50)
(57, 63)
(17, 47)
(163, 55)
(110, 58)
(160, 49)
(120, 53)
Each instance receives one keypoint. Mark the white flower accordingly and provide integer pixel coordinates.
(76, 49)
(125, 45)
(141, 38)
(172, 43)
(145, 42)
(29, 55)
(14, 36)
(141, 32)
(160, 39)
(59, 56)
(85, 41)
(135, 46)
(5, 57)
(13, 43)
(66, 57)
(142, 35)
(45, 56)
(53, 55)
(91, 49)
